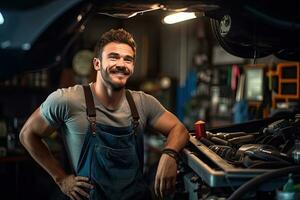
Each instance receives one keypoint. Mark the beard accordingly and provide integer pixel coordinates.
(107, 79)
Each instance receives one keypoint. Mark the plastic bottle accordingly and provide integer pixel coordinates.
(296, 152)
(289, 186)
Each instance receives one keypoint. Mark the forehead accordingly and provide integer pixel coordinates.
(120, 48)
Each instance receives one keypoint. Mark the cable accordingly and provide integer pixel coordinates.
(289, 25)
(255, 182)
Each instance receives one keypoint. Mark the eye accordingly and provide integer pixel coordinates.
(128, 60)
(113, 57)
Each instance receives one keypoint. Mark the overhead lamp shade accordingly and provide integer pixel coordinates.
(179, 17)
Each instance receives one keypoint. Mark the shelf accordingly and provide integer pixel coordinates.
(22, 90)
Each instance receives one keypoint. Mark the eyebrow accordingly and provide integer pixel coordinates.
(127, 57)
(113, 54)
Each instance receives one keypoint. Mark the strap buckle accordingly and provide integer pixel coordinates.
(135, 123)
(92, 120)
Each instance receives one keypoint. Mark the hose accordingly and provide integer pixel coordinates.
(255, 182)
(272, 20)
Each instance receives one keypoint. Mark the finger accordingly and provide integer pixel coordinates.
(162, 187)
(84, 184)
(156, 186)
(72, 198)
(81, 178)
(81, 191)
(76, 197)
(168, 185)
(173, 182)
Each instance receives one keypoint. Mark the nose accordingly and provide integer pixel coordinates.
(118, 67)
(121, 62)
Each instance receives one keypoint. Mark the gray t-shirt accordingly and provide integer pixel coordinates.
(66, 109)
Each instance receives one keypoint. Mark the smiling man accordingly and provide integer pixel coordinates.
(103, 125)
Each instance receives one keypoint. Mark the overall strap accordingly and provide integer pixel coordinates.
(134, 112)
(90, 107)
(91, 113)
(138, 139)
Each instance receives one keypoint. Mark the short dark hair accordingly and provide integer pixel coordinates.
(114, 35)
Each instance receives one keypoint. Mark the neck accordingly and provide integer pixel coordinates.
(107, 96)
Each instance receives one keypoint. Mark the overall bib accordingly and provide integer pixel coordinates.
(112, 157)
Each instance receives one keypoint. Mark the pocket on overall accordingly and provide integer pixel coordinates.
(119, 167)
(116, 139)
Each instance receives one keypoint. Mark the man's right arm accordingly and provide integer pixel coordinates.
(31, 136)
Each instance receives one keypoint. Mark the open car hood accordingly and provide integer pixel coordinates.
(38, 33)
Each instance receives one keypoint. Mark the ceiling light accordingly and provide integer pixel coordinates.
(1, 18)
(179, 17)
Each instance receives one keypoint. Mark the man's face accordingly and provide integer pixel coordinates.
(117, 64)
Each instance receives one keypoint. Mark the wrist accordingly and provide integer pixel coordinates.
(58, 179)
(172, 153)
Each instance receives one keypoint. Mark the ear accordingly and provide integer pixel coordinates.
(96, 64)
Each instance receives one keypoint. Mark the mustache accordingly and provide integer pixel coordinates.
(120, 69)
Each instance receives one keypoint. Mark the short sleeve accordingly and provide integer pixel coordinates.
(55, 108)
(152, 108)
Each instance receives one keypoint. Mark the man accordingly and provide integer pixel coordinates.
(103, 130)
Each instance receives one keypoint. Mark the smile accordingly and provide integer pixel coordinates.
(120, 70)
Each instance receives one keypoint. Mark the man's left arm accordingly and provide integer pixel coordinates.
(177, 137)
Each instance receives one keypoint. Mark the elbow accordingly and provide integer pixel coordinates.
(184, 133)
(24, 135)
(187, 135)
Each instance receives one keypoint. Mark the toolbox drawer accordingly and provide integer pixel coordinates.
(214, 170)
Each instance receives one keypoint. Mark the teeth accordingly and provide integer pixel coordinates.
(119, 73)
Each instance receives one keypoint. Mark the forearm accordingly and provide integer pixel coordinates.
(177, 138)
(40, 152)
(165, 178)
(71, 185)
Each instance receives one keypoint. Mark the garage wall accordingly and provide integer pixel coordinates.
(178, 47)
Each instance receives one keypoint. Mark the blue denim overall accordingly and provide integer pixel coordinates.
(111, 160)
